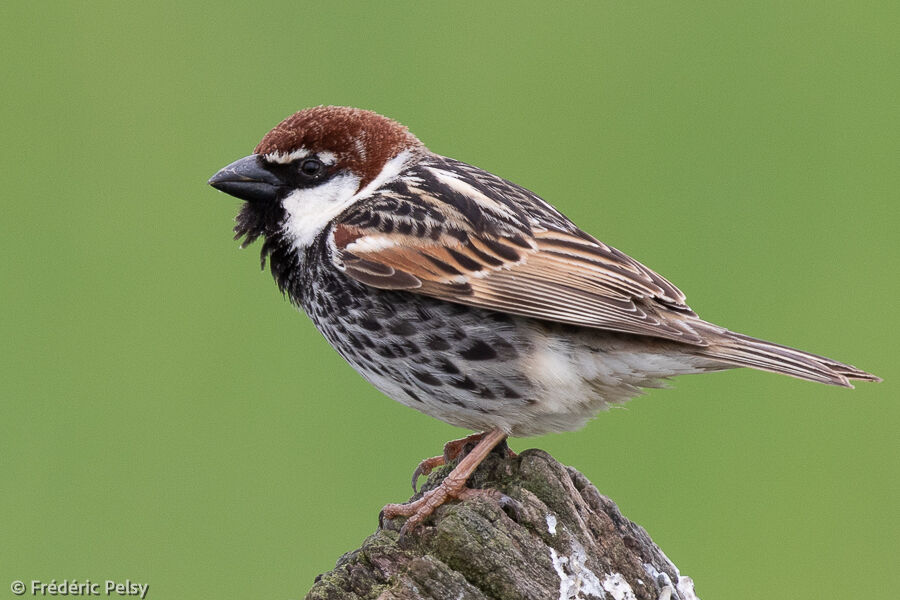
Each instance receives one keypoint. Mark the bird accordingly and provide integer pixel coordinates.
(465, 296)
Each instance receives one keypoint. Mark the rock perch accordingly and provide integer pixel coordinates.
(556, 537)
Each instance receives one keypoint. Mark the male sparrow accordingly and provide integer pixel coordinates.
(466, 296)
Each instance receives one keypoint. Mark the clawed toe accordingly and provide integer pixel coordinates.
(416, 511)
(511, 506)
(453, 486)
(425, 468)
(422, 508)
(453, 450)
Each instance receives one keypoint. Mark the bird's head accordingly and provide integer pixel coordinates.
(311, 167)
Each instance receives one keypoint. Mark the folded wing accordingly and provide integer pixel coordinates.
(535, 271)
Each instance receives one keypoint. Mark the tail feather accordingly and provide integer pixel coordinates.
(744, 351)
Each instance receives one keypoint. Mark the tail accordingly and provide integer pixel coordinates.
(744, 351)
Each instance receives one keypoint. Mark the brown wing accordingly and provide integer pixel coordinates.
(554, 275)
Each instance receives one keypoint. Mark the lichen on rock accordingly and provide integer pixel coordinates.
(559, 538)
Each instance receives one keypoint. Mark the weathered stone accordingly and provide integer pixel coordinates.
(558, 538)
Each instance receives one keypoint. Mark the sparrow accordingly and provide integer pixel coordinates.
(465, 296)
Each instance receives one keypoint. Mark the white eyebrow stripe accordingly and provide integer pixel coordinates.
(284, 158)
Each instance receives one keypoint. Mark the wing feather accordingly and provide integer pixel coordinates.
(540, 266)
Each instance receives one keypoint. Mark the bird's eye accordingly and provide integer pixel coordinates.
(311, 167)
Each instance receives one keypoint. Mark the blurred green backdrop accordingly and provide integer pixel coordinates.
(167, 417)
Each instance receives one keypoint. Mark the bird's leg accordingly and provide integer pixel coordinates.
(453, 486)
(452, 451)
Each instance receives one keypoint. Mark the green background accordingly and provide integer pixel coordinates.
(167, 417)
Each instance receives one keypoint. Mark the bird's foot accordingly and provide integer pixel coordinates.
(453, 486)
(425, 468)
(453, 450)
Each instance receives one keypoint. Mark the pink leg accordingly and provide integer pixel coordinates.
(453, 486)
(452, 450)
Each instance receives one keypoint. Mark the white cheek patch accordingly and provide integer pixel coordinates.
(309, 210)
